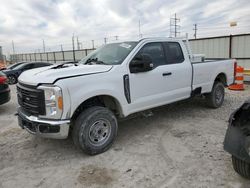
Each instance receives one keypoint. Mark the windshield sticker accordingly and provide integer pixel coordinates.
(124, 45)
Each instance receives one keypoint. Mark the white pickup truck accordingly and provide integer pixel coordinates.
(116, 80)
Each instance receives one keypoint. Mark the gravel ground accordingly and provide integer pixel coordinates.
(179, 146)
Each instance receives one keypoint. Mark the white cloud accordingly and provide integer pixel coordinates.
(27, 22)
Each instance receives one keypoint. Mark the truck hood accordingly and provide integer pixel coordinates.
(49, 75)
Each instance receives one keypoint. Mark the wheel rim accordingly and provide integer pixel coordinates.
(11, 80)
(219, 95)
(99, 132)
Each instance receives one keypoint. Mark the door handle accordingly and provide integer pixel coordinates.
(166, 73)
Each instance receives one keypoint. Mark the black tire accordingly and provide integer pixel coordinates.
(93, 125)
(12, 79)
(241, 167)
(216, 98)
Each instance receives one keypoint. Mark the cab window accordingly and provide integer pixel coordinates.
(173, 52)
(155, 52)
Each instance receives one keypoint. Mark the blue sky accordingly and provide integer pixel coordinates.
(27, 22)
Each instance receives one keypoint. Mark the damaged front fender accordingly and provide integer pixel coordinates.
(237, 139)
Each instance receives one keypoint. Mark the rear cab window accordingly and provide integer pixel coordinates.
(173, 52)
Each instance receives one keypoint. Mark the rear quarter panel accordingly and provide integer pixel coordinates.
(206, 72)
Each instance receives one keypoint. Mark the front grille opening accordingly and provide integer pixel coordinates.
(31, 99)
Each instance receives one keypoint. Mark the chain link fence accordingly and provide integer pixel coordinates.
(58, 56)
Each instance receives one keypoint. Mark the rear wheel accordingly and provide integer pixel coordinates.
(241, 167)
(12, 79)
(216, 98)
(95, 130)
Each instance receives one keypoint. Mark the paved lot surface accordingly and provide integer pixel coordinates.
(180, 146)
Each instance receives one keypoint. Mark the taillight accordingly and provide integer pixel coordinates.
(3, 79)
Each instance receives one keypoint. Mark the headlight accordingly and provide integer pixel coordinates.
(53, 101)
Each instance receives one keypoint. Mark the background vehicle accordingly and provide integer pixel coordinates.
(113, 82)
(237, 140)
(2, 67)
(4, 89)
(15, 65)
(15, 72)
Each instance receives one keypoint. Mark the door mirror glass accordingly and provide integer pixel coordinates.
(141, 63)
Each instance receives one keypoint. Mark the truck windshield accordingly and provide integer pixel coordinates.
(110, 54)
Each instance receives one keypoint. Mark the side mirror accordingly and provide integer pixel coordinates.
(141, 63)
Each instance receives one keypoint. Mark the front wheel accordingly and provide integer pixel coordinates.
(95, 130)
(216, 98)
(241, 167)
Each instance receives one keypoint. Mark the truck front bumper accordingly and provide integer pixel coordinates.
(56, 129)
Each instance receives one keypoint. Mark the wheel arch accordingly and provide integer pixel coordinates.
(221, 77)
(99, 100)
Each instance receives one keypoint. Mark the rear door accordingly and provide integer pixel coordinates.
(179, 83)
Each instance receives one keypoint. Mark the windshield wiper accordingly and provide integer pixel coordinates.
(95, 61)
(90, 60)
(65, 63)
(100, 63)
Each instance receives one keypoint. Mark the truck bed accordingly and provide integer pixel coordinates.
(205, 72)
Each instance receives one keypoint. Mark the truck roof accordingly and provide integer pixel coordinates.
(161, 39)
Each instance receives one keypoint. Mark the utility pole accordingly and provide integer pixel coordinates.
(174, 27)
(73, 45)
(13, 47)
(43, 46)
(78, 44)
(139, 29)
(105, 40)
(61, 47)
(93, 44)
(195, 30)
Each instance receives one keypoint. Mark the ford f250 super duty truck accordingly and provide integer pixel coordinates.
(116, 80)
